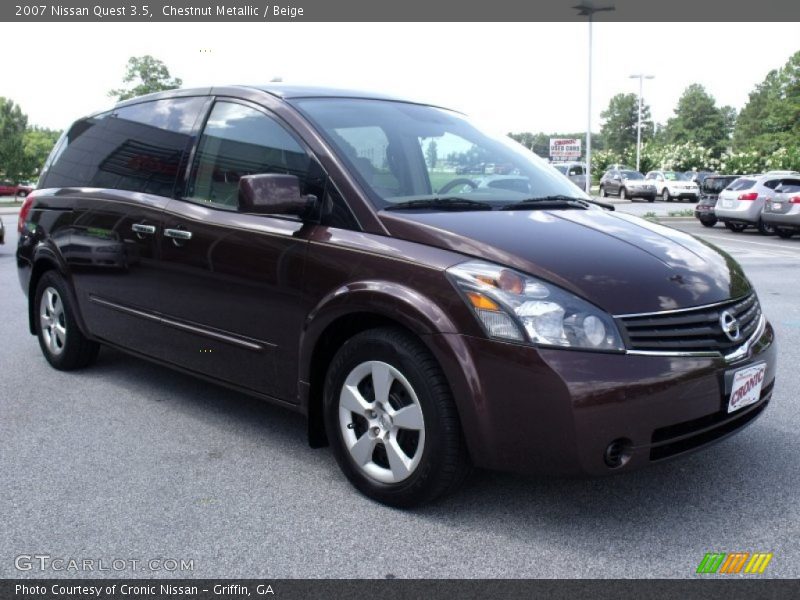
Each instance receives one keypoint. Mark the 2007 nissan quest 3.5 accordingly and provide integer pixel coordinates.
(317, 249)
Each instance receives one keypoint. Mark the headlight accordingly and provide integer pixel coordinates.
(521, 308)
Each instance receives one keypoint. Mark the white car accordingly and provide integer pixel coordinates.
(672, 185)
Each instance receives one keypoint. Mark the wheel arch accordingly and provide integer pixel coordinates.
(45, 260)
(348, 311)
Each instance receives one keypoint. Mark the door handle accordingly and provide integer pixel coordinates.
(143, 229)
(179, 236)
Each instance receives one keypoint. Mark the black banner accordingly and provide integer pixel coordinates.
(399, 589)
(408, 10)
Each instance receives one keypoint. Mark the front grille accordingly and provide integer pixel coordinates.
(694, 330)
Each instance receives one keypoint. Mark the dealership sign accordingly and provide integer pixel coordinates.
(565, 148)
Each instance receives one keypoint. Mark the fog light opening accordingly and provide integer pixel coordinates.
(618, 453)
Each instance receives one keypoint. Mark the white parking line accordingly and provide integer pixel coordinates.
(780, 247)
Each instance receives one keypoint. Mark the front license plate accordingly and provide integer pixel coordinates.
(746, 387)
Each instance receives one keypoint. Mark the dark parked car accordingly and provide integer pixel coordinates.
(287, 242)
(626, 183)
(710, 189)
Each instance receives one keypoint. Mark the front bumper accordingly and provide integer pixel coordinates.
(557, 411)
(683, 193)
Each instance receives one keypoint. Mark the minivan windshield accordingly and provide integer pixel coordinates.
(409, 153)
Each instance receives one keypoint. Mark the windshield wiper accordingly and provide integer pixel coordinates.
(442, 204)
(556, 200)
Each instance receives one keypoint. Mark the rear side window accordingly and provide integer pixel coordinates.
(139, 148)
(237, 141)
(741, 184)
(772, 184)
(576, 170)
(789, 186)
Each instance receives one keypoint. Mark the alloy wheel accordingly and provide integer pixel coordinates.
(53, 321)
(381, 422)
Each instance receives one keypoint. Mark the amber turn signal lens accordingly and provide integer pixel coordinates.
(482, 302)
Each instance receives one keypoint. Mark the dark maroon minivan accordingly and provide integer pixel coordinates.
(341, 254)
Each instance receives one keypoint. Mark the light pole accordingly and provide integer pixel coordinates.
(640, 77)
(587, 9)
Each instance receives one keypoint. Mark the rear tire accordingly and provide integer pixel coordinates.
(61, 340)
(651, 198)
(765, 229)
(784, 234)
(708, 222)
(402, 461)
(736, 227)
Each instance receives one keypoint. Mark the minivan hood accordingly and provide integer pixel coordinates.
(619, 262)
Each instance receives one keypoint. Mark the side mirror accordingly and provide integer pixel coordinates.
(273, 194)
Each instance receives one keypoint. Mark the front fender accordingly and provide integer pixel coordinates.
(394, 301)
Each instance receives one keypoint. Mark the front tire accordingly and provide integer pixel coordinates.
(603, 193)
(62, 342)
(665, 196)
(623, 194)
(391, 419)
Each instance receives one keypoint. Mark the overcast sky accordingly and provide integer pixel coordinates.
(514, 77)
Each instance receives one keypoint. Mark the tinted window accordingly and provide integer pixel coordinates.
(789, 186)
(237, 141)
(772, 184)
(715, 185)
(632, 175)
(741, 184)
(138, 148)
(576, 170)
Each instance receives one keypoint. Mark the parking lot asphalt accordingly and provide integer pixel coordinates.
(129, 460)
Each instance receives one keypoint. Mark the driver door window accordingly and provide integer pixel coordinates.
(237, 141)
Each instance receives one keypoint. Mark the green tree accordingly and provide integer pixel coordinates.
(12, 131)
(771, 118)
(148, 75)
(698, 119)
(432, 154)
(37, 144)
(620, 121)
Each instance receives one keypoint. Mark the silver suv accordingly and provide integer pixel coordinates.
(575, 172)
(782, 211)
(741, 203)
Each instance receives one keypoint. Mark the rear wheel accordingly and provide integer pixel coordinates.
(784, 233)
(708, 222)
(765, 229)
(737, 227)
(665, 196)
(62, 342)
(391, 419)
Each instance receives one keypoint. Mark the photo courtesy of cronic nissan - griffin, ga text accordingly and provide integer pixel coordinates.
(301, 245)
